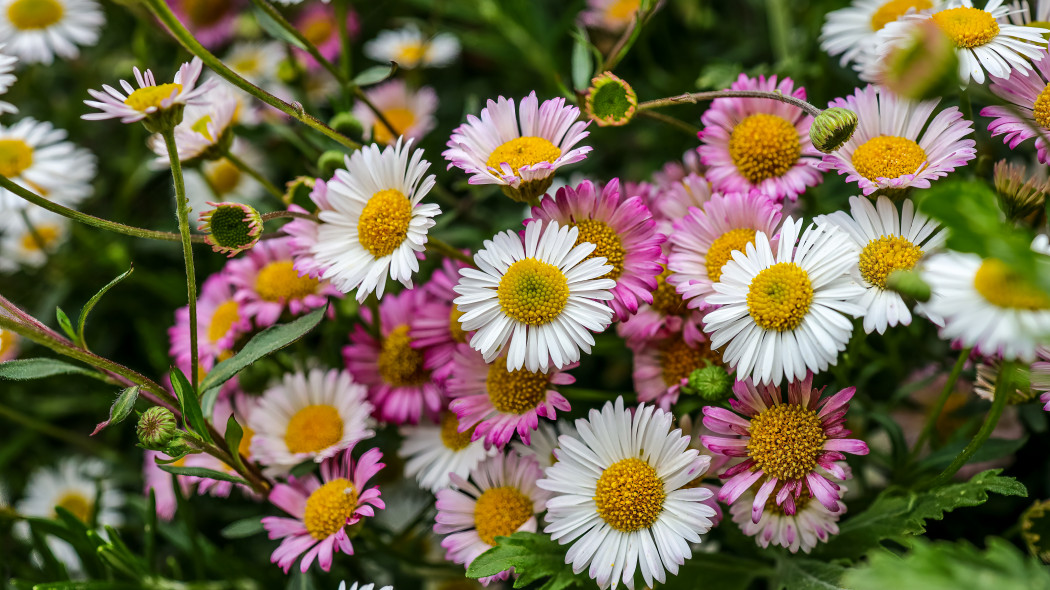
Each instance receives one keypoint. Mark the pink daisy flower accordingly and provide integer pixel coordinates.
(318, 24)
(162, 484)
(211, 21)
(435, 327)
(150, 98)
(663, 367)
(501, 402)
(623, 232)
(787, 446)
(1031, 95)
(399, 385)
(810, 524)
(220, 321)
(322, 509)
(673, 201)
(303, 233)
(897, 144)
(757, 143)
(410, 112)
(667, 316)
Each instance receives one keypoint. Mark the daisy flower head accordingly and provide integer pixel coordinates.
(377, 224)
(322, 509)
(435, 327)
(535, 298)
(303, 232)
(543, 443)
(159, 106)
(621, 495)
(221, 320)
(30, 244)
(755, 143)
(212, 22)
(258, 62)
(1031, 96)
(899, 143)
(1040, 377)
(399, 385)
(35, 155)
(500, 498)
(410, 49)
(784, 313)
(673, 201)
(314, 415)
(613, 16)
(432, 452)
(36, 31)
(886, 241)
(811, 522)
(791, 447)
(518, 149)
(205, 131)
(410, 112)
(851, 32)
(667, 316)
(704, 240)
(663, 367)
(318, 24)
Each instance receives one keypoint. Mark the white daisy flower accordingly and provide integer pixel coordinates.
(536, 301)
(221, 180)
(811, 523)
(342, 585)
(35, 155)
(149, 98)
(432, 452)
(259, 62)
(784, 313)
(205, 130)
(7, 79)
(620, 496)
(544, 442)
(38, 30)
(376, 223)
(30, 245)
(1023, 12)
(851, 32)
(308, 416)
(410, 49)
(886, 241)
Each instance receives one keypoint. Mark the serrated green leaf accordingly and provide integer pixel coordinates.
(533, 557)
(202, 472)
(120, 409)
(65, 324)
(243, 528)
(90, 305)
(374, 75)
(191, 407)
(39, 368)
(807, 574)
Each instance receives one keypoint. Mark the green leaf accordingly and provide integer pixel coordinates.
(992, 449)
(265, 342)
(275, 30)
(90, 305)
(120, 409)
(234, 433)
(374, 75)
(26, 369)
(582, 66)
(243, 528)
(202, 472)
(807, 574)
(191, 407)
(63, 321)
(533, 557)
(735, 572)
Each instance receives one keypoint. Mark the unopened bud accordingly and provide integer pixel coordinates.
(909, 284)
(832, 128)
(156, 427)
(712, 383)
(297, 191)
(231, 228)
(610, 100)
(923, 66)
(331, 161)
(1019, 196)
(347, 124)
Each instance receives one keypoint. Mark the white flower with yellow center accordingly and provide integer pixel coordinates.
(410, 49)
(23, 244)
(621, 496)
(376, 224)
(35, 155)
(308, 416)
(535, 301)
(150, 98)
(205, 129)
(432, 452)
(785, 313)
(887, 241)
(38, 30)
(851, 32)
(611, 15)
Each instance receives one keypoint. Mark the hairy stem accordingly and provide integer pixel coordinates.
(695, 97)
(672, 121)
(938, 407)
(182, 211)
(445, 249)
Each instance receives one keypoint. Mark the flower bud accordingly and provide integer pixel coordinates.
(909, 284)
(1019, 196)
(330, 161)
(297, 191)
(832, 128)
(610, 100)
(347, 124)
(231, 228)
(923, 66)
(156, 427)
(712, 383)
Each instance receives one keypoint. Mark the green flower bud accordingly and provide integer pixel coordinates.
(156, 427)
(231, 228)
(297, 191)
(832, 128)
(1019, 195)
(330, 161)
(347, 124)
(610, 100)
(712, 383)
(924, 66)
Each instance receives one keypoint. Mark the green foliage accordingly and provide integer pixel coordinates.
(120, 409)
(202, 472)
(90, 305)
(27, 369)
(807, 574)
(533, 557)
(191, 407)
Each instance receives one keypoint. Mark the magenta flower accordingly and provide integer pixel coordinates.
(1031, 96)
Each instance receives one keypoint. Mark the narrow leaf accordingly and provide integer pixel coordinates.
(191, 407)
(94, 301)
(202, 472)
(120, 409)
(374, 75)
(26, 369)
(234, 434)
(63, 321)
(582, 67)
(243, 528)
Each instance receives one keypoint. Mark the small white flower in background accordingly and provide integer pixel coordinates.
(30, 245)
(411, 49)
(36, 156)
(39, 30)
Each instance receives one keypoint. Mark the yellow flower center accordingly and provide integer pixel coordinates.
(279, 282)
(317, 30)
(966, 26)
(329, 507)
(151, 96)
(629, 495)
(607, 245)
(27, 15)
(1041, 108)
(894, 9)
(454, 327)
(411, 53)
(764, 146)
(223, 319)
(515, 392)
(401, 365)
(313, 429)
(15, 157)
(450, 434)
(622, 9)
(400, 119)
(499, 512)
(384, 222)
(533, 292)
(779, 297)
(721, 250)
(42, 238)
(201, 126)
(786, 441)
(666, 299)
(1004, 287)
(77, 504)
(888, 156)
(203, 13)
(223, 176)
(524, 151)
(7, 341)
(245, 448)
(678, 360)
(885, 254)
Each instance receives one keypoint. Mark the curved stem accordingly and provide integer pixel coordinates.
(182, 211)
(676, 123)
(938, 407)
(695, 97)
(445, 249)
(289, 214)
(244, 167)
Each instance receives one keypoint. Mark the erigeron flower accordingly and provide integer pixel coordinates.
(7, 78)
(518, 149)
(535, 298)
(900, 143)
(221, 320)
(259, 63)
(318, 24)
(410, 49)
(784, 314)
(30, 244)
(35, 155)
(212, 22)
(221, 180)
(36, 31)
(8, 345)
(544, 441)
(1040, 376)
(668, 316)
(500, 498)
(886, 241)
(432, 452)
(322, 509)
(613, 16)
(791, 447)
(663, 367)
(851, 32)
(435, 327)
(757, 143)
(1031, 96)
(672, 202)
(205, 131)
(151, 101)
(410, 112)
(810, 524)
(621, 495)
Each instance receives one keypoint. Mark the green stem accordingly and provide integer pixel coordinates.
(627, 40)
(244, 167)
(445, 249)
(672, 121)
(938, 407)
(695, 97)
(289, 214)
(341, 10)
(278, 18)
(182, 211)
(779, 28)
(53, 431)
(360, 94)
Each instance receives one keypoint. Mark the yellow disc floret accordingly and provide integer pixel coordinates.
(245, 448)
(313, 429)
(523, 151)
(225, 316)
(515, 392)
(28, 15)
(894, 9)
(499, 512)
(721, 250)
(15, 157)
(279, 282)
(607, 245)
(885, 254)
(622, 10)
(41, 238)
(151, 96)
(401, 365)
(1040, 109)
(1004, 287)
(411, 53)
(779, 297)
(329, 507)
(77, 504)
(966, 26)
(400, 119)
(533, 292)
(666, 299)
(384, 222)
(786, 441)
(764, 146)
(223, 176)
(451, 436)
(678, 359)
(454, 326)
(888, 156)
(629, 495)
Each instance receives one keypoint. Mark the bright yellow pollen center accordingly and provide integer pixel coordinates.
(223, 176)
(384, 222)
(223, 319)
(607, 245)
(151, 96)
(523, 151)
(77, 504)
(629, 495)
(279, 282)
(779, 297)
(411, 53)
(786, 441)
(721, 250)
(888, 156)
(499, 512)
(678, 360)
(15, 157)
(317, 30)
(7, 341)
(533, 292)
(329, 507)
(201, 126)
(885, 254)
(245, 448)
(666, 299)
(894, 9)
(203, 13)
(1041, 108)
(399, 364)
(42, 238)
(27, 15)
(455, 327)
(966, 26)
(622, 9)
(400, 119)
(313, 429)
(764, 146)
(451, 436)
(515, 392)
(1003, 287)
